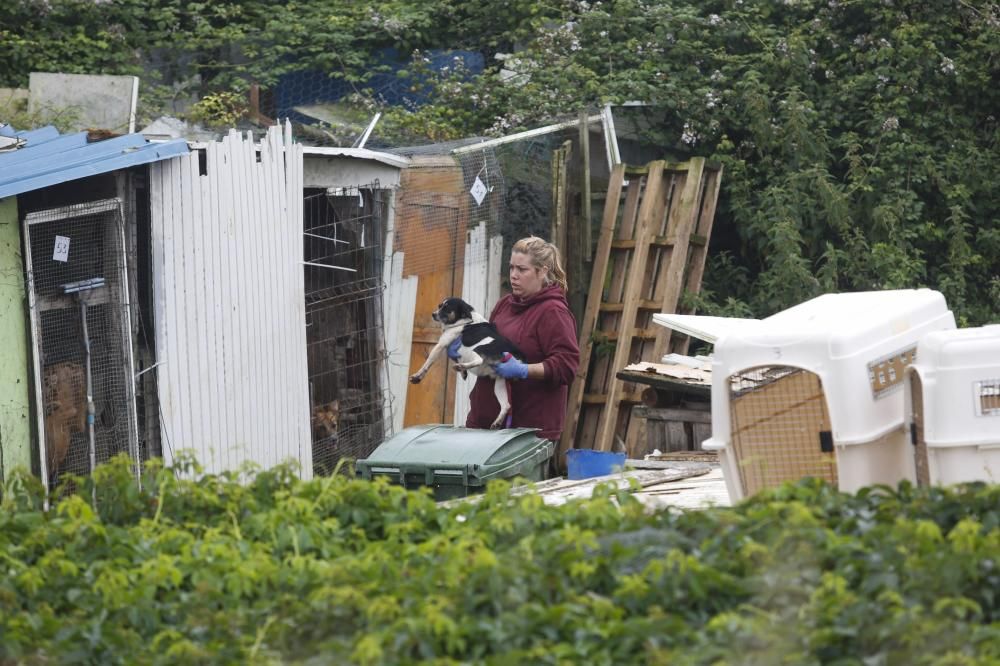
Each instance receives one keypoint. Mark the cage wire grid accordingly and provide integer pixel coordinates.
(77, 269)
(523, 170)
(516, 201)
(528, 209)
(777, 414)
(343, 246)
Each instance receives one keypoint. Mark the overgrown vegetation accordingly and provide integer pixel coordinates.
(274, 570)
(860, 139)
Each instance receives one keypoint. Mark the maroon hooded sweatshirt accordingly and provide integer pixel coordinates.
(544, 329)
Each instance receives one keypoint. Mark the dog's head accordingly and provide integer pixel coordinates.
(452, 310)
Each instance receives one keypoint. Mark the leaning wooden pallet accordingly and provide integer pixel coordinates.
(577, 413)
(674, 342)
(641, 265)
(670, 259)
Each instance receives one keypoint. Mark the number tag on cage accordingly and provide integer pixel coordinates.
(61, 250)
(478, 191)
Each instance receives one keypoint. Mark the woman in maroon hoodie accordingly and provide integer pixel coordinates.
(536, 318)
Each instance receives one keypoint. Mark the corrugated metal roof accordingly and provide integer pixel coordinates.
(49, 158)
(358, 153)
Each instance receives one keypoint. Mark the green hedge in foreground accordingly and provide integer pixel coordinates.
(274, 570)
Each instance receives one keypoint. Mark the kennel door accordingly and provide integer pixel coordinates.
(917, 430)
(780, 427)
(78, 299)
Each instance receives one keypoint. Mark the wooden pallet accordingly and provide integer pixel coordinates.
(678, 344)
(644, 260)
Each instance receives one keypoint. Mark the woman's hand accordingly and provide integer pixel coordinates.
(453, 349)
(511, 368)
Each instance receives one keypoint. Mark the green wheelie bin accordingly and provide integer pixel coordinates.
(456, 462)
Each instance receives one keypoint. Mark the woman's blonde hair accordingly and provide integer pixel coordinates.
(543, 255)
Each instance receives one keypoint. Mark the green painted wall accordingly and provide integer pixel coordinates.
(15, 381)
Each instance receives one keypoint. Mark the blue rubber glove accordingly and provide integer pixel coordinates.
(453, 349)
(511, 368)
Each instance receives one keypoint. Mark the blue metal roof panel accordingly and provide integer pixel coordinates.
(46, 133)
(81, 154)
(49, 158)
(41, 149)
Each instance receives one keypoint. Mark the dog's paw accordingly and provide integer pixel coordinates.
(415, 379)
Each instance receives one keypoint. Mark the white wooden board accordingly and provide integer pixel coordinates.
(229, 303)
(481, 289)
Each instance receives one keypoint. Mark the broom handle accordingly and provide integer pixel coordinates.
(90, 387)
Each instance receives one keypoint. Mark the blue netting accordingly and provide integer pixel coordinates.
(309, 87)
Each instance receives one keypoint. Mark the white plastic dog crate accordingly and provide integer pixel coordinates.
(953, 406)
(816, 390)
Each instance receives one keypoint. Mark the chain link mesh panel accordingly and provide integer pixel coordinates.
(82, 332)
(503, 191)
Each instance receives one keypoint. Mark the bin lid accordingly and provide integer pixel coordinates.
(468, 453)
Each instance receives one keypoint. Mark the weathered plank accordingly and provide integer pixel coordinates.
(699, 248)
(561, 490)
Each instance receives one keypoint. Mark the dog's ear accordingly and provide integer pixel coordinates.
(463, 310)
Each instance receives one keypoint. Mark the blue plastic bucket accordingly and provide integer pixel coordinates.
(585, 463)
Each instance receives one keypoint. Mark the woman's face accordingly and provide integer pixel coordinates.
(526, 279)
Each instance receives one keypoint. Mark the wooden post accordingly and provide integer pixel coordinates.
(255, 116)
(560, 163)
(254, 103)
(586, 243)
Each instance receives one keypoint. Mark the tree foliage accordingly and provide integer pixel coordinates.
(860, 139)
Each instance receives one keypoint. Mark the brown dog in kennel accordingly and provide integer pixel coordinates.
(65, 400)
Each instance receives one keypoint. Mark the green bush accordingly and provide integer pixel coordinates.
(223, 109)
(263, 568)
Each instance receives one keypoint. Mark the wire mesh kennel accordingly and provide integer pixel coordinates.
(82, 337)
(343, 287)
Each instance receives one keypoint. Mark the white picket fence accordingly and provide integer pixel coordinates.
(230, 304)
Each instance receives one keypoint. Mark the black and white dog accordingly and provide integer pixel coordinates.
(482, 347)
